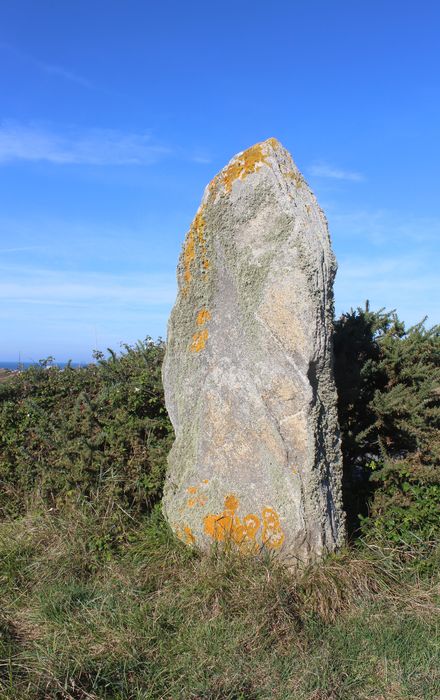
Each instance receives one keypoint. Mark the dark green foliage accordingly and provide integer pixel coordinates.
(388, 383)
(96, 430)
(407, 501)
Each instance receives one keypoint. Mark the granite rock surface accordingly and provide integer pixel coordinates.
(248, 367)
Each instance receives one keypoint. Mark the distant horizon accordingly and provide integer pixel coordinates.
(108, 139)
(15, 364)
(119, 347)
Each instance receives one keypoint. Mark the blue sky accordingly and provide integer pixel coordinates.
(115, 115)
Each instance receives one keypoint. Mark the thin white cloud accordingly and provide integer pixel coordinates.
(76, 147)
(203, 160)
(19, 249)
(329, 171)
(407, 283)
(382, 226)
(66, 313)
(65, 74)
(56, 70)
(48, 287)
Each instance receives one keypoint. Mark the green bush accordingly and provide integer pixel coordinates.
(388, 381)
(100, 431)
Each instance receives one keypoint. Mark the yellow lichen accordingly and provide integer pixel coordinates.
(199, 340)
(227, 526)
(212, 187)
(231, 504)
(203, 317)
(273, 535)
(194, 240)
(185, 534)
(200, 337)
(189, 253)
(196, 499)
(248, 162)
(251, 522)
(189, 537)
(273, 142)
(296, 177)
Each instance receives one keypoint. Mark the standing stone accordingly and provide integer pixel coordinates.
(248, 368)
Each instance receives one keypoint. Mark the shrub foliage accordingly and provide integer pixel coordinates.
(388, 381)
(103, 430)
(95, 430)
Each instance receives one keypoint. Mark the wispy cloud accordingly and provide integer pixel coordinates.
(329, 171)
(19, 249)
(65, 74)
(82, 147)
(203, 160)
(68, 312)
(382, 226)
(48, 287)
(407, 283)
(49, 68)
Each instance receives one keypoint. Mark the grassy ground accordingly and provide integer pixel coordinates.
(95, 605)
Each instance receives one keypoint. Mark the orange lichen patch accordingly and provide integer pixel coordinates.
(199, 340)
(227, 526)
(199, 501)
(221, 526)
(189, 253)
(194, 240)
(212, 187)
(231, 504)
(248, 162)
(189, 537)
(196, 499)
(217, 526)
(203, 317)
(273, 535)
(273, 142)
(205, 481)
(199, 228)
(185, 534)
(251, 523)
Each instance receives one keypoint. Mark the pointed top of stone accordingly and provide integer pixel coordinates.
(265, 154)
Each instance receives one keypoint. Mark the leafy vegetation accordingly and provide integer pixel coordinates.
(388, 381)
(101, 431)
(98, 600)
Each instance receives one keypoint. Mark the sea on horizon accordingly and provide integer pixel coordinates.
(4, 364)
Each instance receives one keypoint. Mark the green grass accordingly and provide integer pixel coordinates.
(96, 605)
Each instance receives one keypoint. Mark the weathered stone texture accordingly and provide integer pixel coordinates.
(247, 373)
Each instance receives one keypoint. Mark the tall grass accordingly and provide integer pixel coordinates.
(97, 605)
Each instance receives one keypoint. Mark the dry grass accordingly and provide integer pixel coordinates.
(96, 606)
